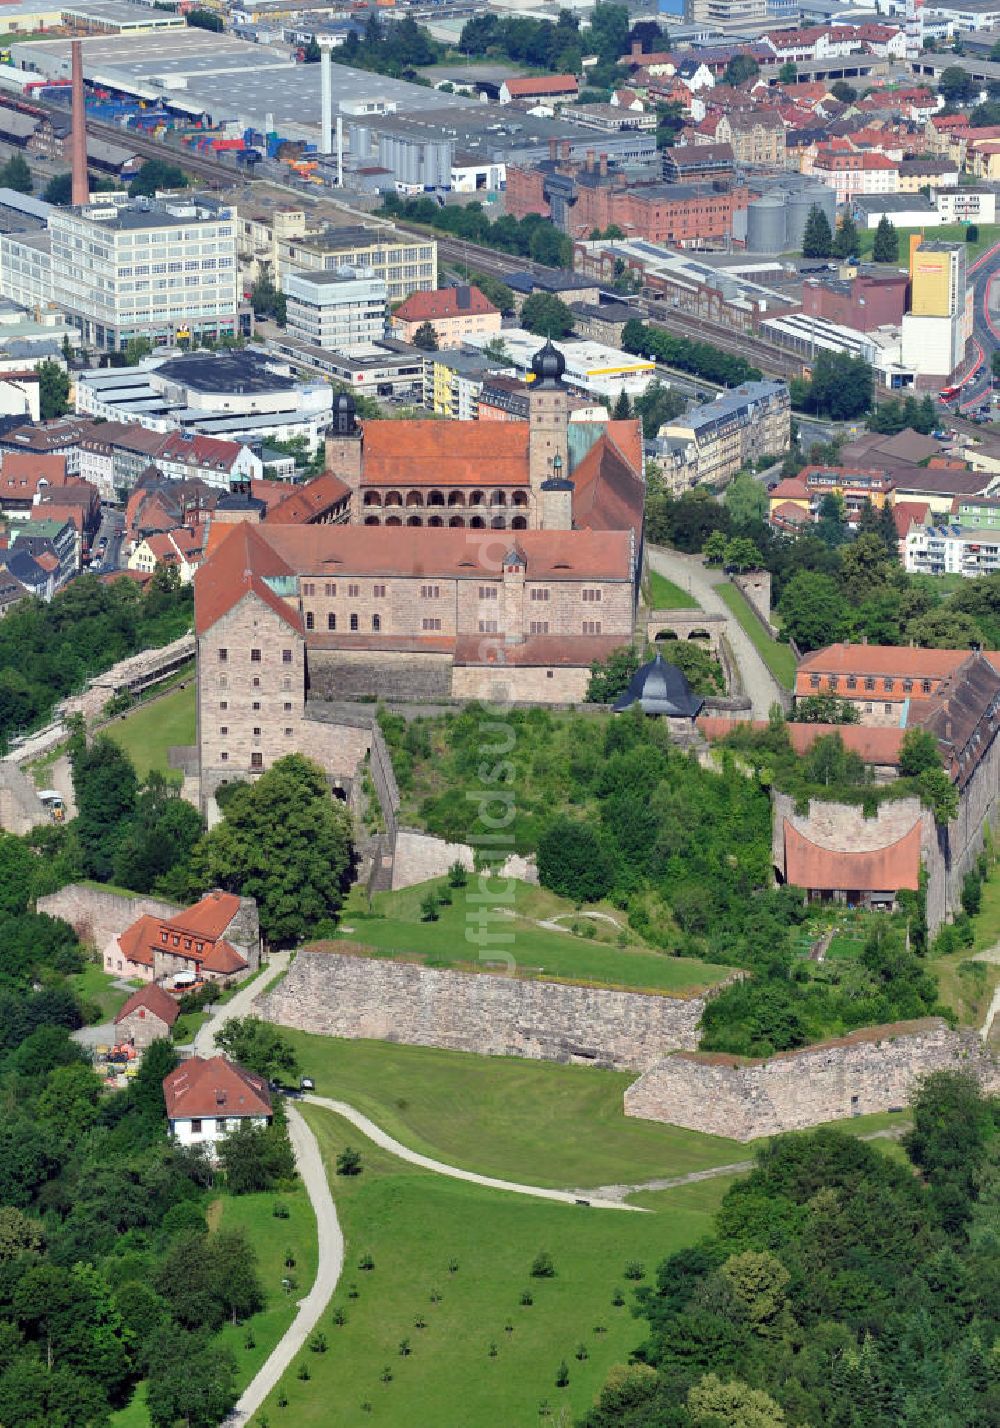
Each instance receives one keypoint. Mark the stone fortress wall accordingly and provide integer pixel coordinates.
(871, 1070)
(362, 997)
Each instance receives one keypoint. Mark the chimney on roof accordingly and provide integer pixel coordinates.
(79, 187)
(566, 146)
(604, 165)
(553, 148)
(590, 159)
(637, 49)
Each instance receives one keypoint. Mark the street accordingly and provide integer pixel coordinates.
(977, 388)
(106, 557)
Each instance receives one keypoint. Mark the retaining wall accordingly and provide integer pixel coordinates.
(338, 994)
(872, 1070)
(419, 856)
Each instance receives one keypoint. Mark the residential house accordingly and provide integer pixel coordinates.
(147, 1016)
(454, 314)
(24, 476)
(756, 137)
(181, 549)
(53, 543)
(207, 1099)
(218, 939)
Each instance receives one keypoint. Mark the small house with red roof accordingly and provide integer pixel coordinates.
(208, 1098)
(216, 940)
(147, 1016)
(454, 314)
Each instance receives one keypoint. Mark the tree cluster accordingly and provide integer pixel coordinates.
(396, 50)
(50, 650)
(558, 48)
(838, 1287)
(157, 174)
(841, 387)
(701, 359)
(532, 237)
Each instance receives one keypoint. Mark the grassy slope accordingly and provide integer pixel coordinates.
(665, 595)
(530, 1120)
(413, 1224)
(965, 985)
(395, 927)
(95, 985)
(154, 728)
(778, 657)
(947, 233)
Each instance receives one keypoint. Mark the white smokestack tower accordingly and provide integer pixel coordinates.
(326, 103)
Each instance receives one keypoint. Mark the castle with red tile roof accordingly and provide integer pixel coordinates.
(217, 939)
(476, 560)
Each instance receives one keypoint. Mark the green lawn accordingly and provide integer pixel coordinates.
(989, 233)
(665, 595)
(394, 926)
(93, 984)
(187, 1025)
(153, 728)
(550, 1125)
(416, 1226)
(778, 657)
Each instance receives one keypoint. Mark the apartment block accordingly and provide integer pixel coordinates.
(404, 262)
(338, 310)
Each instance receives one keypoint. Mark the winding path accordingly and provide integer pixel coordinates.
(387, 1142)
(330, 1263)
(689, 573)
(239, 1005)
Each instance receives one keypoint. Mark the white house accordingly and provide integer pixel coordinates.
(207, 1099)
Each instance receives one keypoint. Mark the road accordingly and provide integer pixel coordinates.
(977, 387)
(112, 530)
(689, 573)
(240, 1005)
(330, 1261)
(387, 1142)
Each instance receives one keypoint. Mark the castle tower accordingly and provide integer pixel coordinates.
(548, 418)
(512, 595)
(345, 448)
(557, 499)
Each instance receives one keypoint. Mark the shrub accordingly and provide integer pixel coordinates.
(573, 862)
(318, 1343)
(349, 1161)
(429, 908)
(366, 1262)
(457, 876)
(562, 1375)
(635, 1270)
(527, 1298)
(543, 1267)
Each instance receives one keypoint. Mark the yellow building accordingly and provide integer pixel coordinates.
(937, 278)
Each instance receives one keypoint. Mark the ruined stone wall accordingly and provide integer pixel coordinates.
(419, 856)
(871, 1070)
(97, 915)
(337, 994)
(962, 841)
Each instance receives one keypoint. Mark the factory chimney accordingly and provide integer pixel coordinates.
(80, 188)
(326, 102)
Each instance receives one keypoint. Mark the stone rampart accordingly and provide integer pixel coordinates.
(339, 994)
(871, 1070)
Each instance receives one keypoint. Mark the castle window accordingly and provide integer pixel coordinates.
(256, 733)
(487, 627)
(888, 685)
(224, 757)
(223, 656)
(255, 704)
(888, 708)
(487, 592)
(538, 627)
(286, 684)
(378, 592)
(814, 681)
(376, 623)
(353, 591)
(869, 684)
(591, 627)
(851, 682)
(308, 589)
(223, 728)
(287, 706)
(255, 656)
(354, 623)
(310, 620)
(256, 761)
(223, 682)
(593, 597)
(286, 656)
(430, 592)
(926, 686)
(539, 594)
(288, 733)
(255, 682)
(430, 624)
(907, 685)
(331, 621)
(330, 589)
(223, 703)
